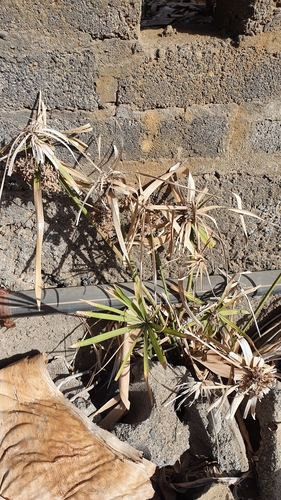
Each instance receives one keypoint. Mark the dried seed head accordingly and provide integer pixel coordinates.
(257, 381)
(49, 176)
(103, 217)
(187, 216)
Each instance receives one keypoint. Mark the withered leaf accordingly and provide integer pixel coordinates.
(51, 451)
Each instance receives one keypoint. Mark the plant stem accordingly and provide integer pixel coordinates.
(85, 212)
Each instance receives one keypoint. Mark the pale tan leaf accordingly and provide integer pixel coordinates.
(41, 115)
(113, 202)
(117, 412)
(99, 146)
(124, 379)
(11, 157)
(77, 175)
(203, 210)
(160, 180)
(242, 212)
(114, 416)
(216, 364)
(191, 188)
(245, 212)
(38, 203)
(79, 130)
(109, 404)
(51, 451)
(202, 194)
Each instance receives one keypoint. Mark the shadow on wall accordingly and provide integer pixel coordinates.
(232, 17)
(225, 16)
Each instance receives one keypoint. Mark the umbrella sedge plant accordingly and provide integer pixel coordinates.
(245, 365)
(183, 225)
(33, 155)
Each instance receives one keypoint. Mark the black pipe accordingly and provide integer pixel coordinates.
(71, 299)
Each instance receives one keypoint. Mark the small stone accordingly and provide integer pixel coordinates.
(169, 31)
(217, 491)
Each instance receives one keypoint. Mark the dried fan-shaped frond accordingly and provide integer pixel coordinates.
(51, 451)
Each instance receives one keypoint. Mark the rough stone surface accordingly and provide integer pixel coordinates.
(100, 18)
(251, 17)
(187, 70)
(185, 96)
(51, 334)
(267, 136)
(75, 256)
(197, 130)
(269, 455)
(218, 492)
(156, 430)
(221, 439)
(70, 386)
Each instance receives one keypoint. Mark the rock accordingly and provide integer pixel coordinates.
(213, 436)
(269, 455)
(156, 430)
(70, 386)
(217, 492)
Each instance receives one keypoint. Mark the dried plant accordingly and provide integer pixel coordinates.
(250, 377)
(181, 224)
(249, 374)
(32, 154)
(225, 359)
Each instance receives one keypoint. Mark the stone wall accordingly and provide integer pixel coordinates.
(191, 94)
(247, 16)
(208, 95)
(196, 94)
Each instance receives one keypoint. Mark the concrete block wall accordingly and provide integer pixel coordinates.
(206, 96)
(248, 16)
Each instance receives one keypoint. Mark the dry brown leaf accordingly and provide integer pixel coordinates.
(51, 451)
(216, 364)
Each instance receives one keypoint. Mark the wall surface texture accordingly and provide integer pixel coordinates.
(210, 95)
(185, 94)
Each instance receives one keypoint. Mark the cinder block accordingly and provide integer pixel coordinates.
(61, 74)
(101, 19)
(204, 71)
(176, 133)
(251, 17)
(267, 136)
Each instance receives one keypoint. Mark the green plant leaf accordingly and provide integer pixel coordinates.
(105, 336)
(157, 348)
